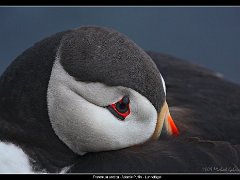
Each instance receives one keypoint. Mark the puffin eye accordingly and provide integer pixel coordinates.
(121, 108)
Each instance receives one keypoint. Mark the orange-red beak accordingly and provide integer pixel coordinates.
(166, 122)
(173, 128)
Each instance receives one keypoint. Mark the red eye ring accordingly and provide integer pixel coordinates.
(120, 109)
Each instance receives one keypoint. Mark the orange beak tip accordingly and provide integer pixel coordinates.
(173, 126)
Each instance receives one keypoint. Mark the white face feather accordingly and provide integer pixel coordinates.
(78, 115)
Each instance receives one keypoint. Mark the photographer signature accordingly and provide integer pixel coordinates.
(221, 169)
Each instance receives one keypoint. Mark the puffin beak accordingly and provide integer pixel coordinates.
(172, 128)
(165, 122)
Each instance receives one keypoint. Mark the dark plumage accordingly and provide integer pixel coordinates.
(24, 118)
(204, 106)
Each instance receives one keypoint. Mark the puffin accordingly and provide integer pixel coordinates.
(89, 100)
(82, 91)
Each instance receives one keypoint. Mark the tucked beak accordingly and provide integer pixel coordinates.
(165, 122)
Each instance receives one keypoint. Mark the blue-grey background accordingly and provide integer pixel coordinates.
(208, 36)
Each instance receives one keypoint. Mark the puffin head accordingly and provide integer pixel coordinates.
(105, 93)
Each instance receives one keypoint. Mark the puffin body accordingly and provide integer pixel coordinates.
(90, 100)
(85, 90)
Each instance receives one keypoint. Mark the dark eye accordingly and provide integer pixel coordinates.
(121, 108)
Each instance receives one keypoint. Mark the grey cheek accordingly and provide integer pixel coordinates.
(143, 117)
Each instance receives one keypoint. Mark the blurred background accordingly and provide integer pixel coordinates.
(207, 36)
